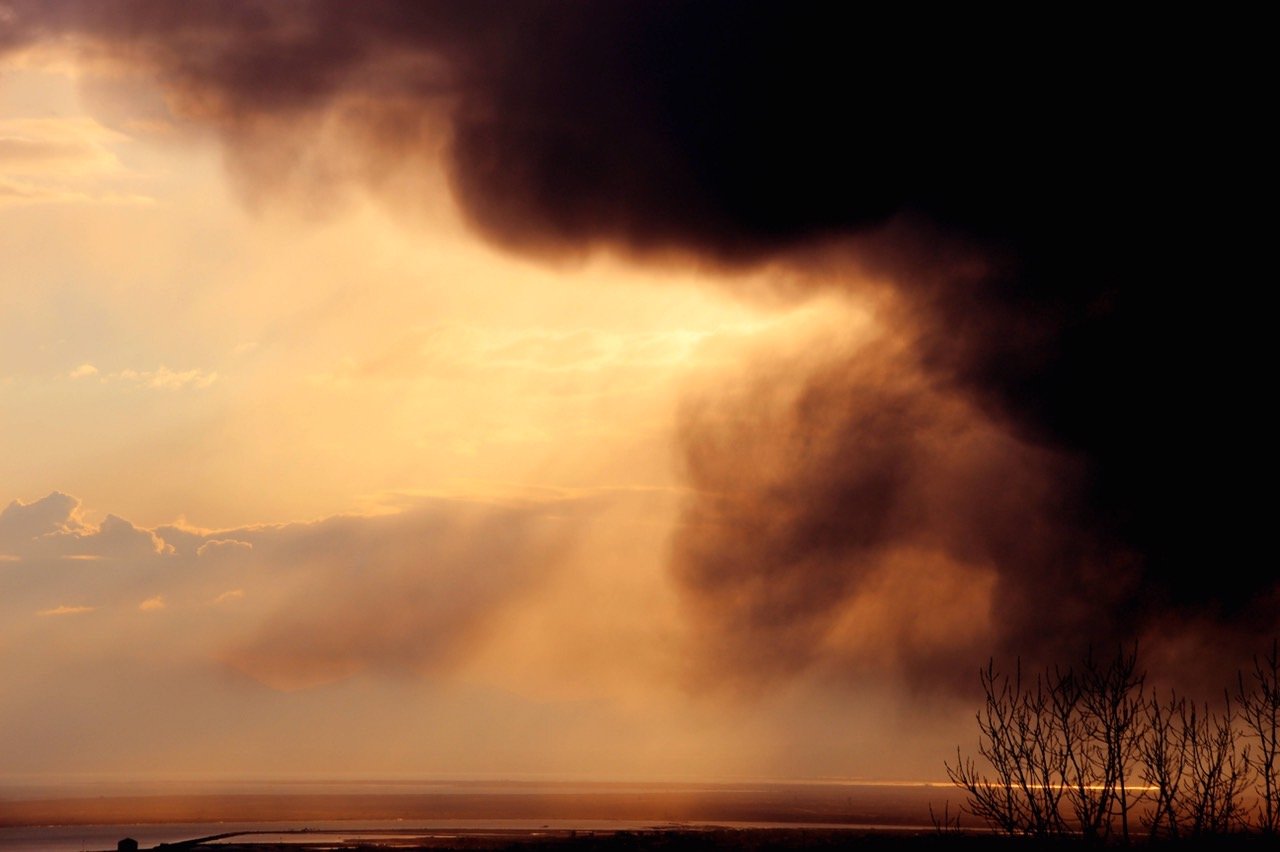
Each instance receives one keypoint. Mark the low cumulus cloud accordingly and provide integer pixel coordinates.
(52, 527)
(409, 593)
(55, 514)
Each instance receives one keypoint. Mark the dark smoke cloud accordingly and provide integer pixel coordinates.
(1066, 210)
(820, 487)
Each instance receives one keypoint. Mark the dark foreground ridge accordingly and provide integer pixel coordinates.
(678, 840)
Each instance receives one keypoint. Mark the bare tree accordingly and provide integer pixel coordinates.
(1021, 794)
(1119, 694)
(1215, 776)
(1260, 716)
(1162, 756)
(1056, 754)
(1103, 741)
(1059, 749)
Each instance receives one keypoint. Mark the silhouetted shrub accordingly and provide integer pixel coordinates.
(1087, 752)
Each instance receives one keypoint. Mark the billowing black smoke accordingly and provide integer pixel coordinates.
(1068, 210)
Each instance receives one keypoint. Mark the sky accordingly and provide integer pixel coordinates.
(604, 391)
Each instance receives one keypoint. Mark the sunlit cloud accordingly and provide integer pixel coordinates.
(167, 379)
(224, 547)
(83, 371)
(56, 514)
(53, 526)
(153, 604)
(66, 610)
(63, 160)
(59, 147)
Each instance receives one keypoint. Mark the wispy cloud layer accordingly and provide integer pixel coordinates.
(63, 160)
(161, 378)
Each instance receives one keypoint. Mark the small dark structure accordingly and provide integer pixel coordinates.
(127, 845)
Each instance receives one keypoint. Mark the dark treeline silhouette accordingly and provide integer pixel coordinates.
(1090, 751)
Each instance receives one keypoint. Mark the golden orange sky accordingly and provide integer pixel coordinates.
(610, 390)
(314, 482)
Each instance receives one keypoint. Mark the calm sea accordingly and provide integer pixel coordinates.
(65, 818)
